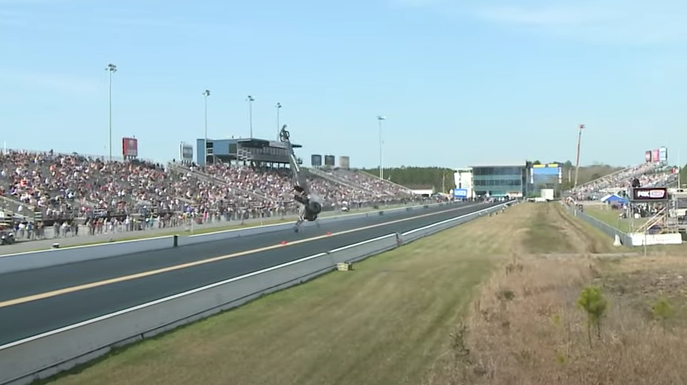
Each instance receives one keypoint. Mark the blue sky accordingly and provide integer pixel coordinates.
(460, 82)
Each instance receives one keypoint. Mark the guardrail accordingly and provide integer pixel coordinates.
(54, 257)
(44, 355)
(607, 229)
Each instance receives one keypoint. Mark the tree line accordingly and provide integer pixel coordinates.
(438, 177)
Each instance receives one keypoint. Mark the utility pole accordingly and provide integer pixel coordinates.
(577, 162)
(380, 119)
(111, 68)
(679, 170)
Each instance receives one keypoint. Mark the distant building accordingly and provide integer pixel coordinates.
(500, 180)
(256, 152)
(463, 180)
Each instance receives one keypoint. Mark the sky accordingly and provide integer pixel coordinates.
(459, 82)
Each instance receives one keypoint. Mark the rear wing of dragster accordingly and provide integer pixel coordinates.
(298, 177)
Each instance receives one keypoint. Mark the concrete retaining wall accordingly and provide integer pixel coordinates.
(54, 257)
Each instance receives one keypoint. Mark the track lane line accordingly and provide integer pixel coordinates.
(72, 289)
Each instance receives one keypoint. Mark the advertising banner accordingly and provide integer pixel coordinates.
(316, 160)
(460, 193)
(546, 173)
(647, 157)
(649, 194)
(130, 147)
(654, 156)
(663, 155)
(185, 152)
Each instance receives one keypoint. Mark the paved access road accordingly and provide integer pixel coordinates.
(40, 300)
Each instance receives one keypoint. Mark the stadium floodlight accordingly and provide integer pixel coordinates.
(577, 162)
(206, 93)
(111, 68)
(380, 119)
(250, 101)
(278, 107)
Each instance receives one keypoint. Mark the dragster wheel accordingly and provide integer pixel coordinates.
(314, 208)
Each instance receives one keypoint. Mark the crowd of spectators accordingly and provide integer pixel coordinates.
(648, 174)
(369, 182)
(615, 181)
(273, 187)
(69, 186)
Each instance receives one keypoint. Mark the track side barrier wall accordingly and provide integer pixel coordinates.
(47, 354)
(54, 257)
(607, 229)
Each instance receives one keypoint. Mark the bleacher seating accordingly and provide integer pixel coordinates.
(67, 186)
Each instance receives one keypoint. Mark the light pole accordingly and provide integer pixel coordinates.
(278, 106)
(577, 162)
(380, 119)
(111, 68)
(206, 93)
(250, 100)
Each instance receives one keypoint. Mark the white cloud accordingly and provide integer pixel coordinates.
(55, 82)
(599, 21)
(609, 21)
(416, 3)
(88, 20)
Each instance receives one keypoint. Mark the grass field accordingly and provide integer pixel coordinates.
(488, 302)
(526, 326)
(612, 217)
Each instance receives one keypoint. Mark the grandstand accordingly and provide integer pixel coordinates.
(49, 188)
(649, 175)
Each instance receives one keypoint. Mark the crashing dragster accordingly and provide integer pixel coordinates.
(311, 204)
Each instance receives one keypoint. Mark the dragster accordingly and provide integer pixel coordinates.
(311, 204)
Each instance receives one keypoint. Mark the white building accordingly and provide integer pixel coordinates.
(463, 180)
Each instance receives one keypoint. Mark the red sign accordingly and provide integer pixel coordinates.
(654, 157)
(647, 157)
(130, 147)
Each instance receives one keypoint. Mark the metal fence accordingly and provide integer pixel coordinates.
(607, 229)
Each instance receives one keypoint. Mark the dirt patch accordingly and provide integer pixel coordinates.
(552, 230)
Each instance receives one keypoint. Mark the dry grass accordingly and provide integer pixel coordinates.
(383, 323)
(525, 326)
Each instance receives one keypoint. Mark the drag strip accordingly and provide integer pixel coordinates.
(49, 308)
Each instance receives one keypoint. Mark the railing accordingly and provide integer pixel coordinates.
(211, 178)
(12, 207)
(334, 178)
(607, 229)
(388, 182)
(654, 220)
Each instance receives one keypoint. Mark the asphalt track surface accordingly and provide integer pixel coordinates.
(52, 311)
